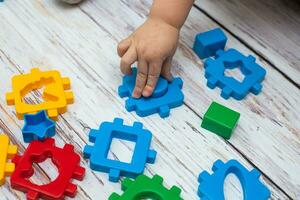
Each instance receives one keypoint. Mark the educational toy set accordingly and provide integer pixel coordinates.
(39, 127)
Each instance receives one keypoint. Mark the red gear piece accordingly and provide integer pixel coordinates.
(66, 160)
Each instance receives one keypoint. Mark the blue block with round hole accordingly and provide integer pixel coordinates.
(206, 44)
(212, 185)
(102, 139)
(166, 95)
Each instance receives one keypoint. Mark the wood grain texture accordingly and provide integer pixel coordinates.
(269, 27)
(81, 43)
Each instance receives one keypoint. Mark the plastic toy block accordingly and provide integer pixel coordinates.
(102, 139)
(208, 43)
(55, 97)
(66, 160)
(211, 185)
(215, 74)
(220, 120)
(6, 152)
(38, 127)
(146, 188)
(165, 96)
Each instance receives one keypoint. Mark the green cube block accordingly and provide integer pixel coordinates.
(220, 120)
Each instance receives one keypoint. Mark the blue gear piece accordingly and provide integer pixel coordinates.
(38, 127)
(206, 44)
(230, 59)
(102, 139)
(211, 185)
(165, 96)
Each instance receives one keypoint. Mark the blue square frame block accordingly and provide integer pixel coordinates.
(102, 139)
(208, 43)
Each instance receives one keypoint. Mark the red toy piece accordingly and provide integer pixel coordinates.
(66, 160)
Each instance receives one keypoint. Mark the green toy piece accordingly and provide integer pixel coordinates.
(144, 187)
(220, 120)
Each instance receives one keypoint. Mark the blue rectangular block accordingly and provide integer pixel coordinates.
(208, 43)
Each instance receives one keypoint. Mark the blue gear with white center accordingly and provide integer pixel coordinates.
(211, 185)
(166, 95)
(231, 87)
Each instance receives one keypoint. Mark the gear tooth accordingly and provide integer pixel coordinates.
(32, 195)
(208, 62)
(157, 179)
(71, 190)
(68, 147)
(118, 122)
(69, 97)
(217, 165)
(49, 141)
(66, 83)
(34, 70)
(12, 150)
(130, 104)
(138, 125)
(151, 156)
(16, 159)
(164, 111)
(79, 173)
(251, 59)
(203, 176)
(226, 92)
(9, 168)
(175, 190)
(178, 81)
(255, 173)
(126, 183)
(93, 135)
(114, 196)
(87, 151)
(10, 99)
(123, 91)
(212, 82)
(53, 114)
(256, 88)
(114, 175)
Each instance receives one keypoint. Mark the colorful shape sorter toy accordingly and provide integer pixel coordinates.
(146, 188)
(55, 97)
(211, 185)
(66, 160)
(220, 120)
(208, 43)
(102, 139)
(38, 127)
(230, 59)
(6, 152)
(165, 96)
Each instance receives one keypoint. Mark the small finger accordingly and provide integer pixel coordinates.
(141, 78)
(123, 46)
(128, 59)
(153, 76)
(166, 69)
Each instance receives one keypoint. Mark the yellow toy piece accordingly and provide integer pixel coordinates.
(6, 152)
(55, 97)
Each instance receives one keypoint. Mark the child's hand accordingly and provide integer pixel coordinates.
(152, 45)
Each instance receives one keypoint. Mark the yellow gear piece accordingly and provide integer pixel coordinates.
(55, 97)
(6, 152)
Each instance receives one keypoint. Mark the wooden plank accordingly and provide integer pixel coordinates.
(269, 27)
(39, 33)
(268, 134)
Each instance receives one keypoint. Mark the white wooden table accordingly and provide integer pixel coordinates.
(81, 42)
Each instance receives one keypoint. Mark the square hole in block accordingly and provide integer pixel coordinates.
(121, 150)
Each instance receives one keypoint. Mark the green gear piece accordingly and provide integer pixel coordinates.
(144, 187)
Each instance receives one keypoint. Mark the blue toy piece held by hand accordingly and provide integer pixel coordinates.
(166, 95)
